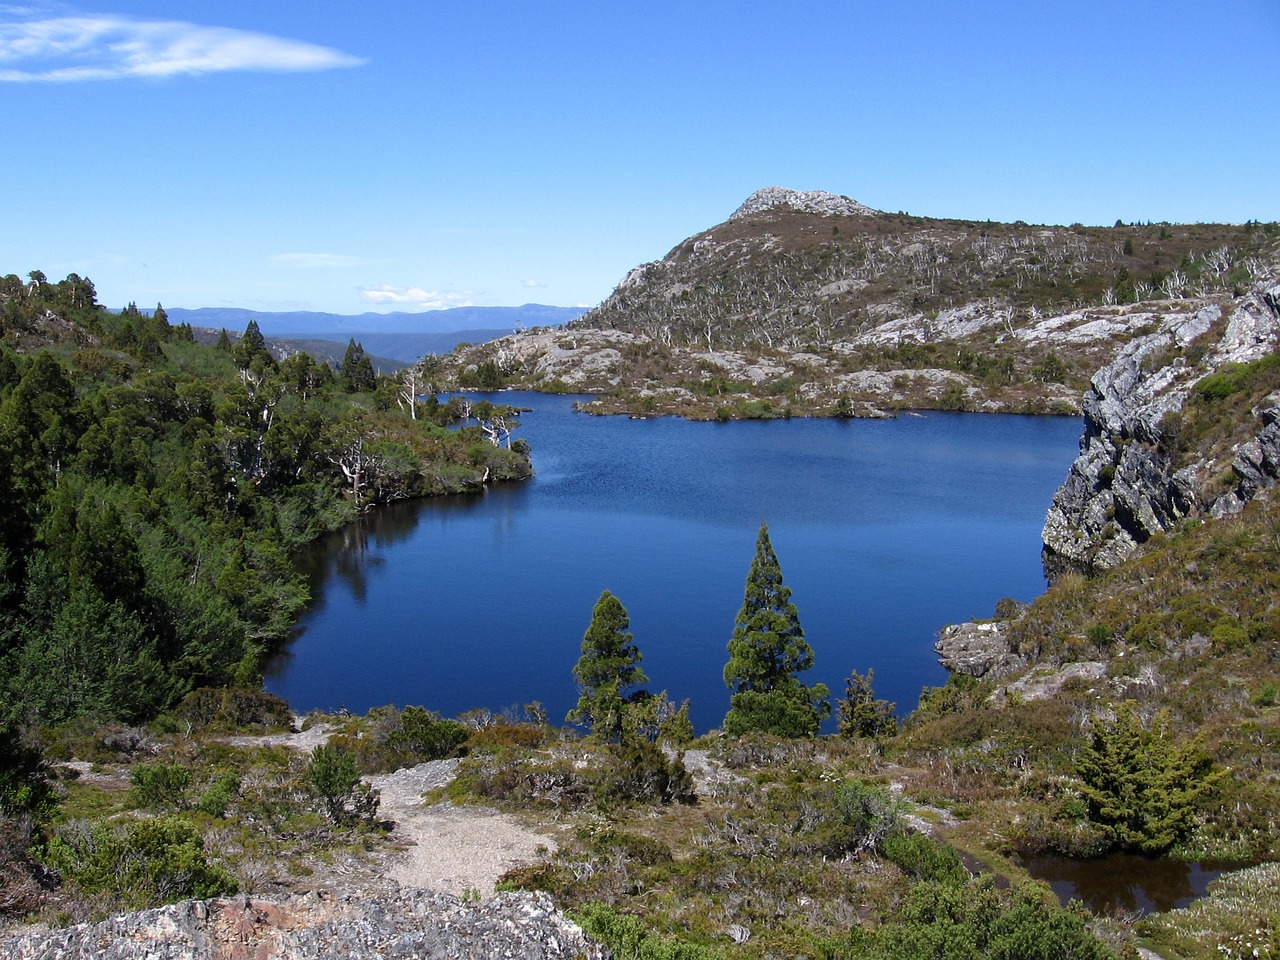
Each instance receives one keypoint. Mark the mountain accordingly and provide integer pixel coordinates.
(327, 326)
(808, 303)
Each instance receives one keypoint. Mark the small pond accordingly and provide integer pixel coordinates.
(1127, 882)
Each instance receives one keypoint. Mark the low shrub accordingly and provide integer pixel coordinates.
(924, 858)
(626, 936)
(159, 786)
(145, 863)
(233, 708)
(334, 779)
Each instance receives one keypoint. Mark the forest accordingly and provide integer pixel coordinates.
(157, 488)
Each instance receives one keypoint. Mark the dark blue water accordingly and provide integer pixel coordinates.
(885, 529)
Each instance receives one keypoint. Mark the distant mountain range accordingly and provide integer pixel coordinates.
(399, 336)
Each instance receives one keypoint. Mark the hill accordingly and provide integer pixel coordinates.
(811, 304)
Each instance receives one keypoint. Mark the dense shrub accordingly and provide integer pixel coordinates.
(640, 772)
(157, 786)
(626, 936)
(947, 921)
(233, 708)
(335, 781)
(923, 858)
(145, 863)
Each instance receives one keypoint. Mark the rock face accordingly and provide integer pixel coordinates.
(411, 924)
(1124, 486)
(978, 649)
(806, 201)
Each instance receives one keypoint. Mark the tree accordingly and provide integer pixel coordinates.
(356, 371)
(608, 668)
(860, 714)
(766, 652)
(1142, 784)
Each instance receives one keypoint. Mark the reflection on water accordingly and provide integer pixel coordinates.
(1125, 882)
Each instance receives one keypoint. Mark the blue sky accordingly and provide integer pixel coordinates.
(415, 155)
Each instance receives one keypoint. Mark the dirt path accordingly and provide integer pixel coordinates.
(442, 847)
(461, 850)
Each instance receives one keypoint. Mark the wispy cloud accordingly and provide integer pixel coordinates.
(318, 261)
(533, 283)
(415, 298)
(68, 49)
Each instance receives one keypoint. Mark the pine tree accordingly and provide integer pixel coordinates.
(766, 652)
(356, 371)
(608, 668)
(1141, 784)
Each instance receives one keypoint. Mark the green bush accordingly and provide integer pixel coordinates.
(159, 786)
(145, 863)
(426, 735)
(233, 708)
(946, 921)
(923, 858)
(640, 772)
(626, 936)
(219, 795)
(335, 781)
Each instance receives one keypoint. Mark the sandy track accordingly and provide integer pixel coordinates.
(443, 847)
(460, 850)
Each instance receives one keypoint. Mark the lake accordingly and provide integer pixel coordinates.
(885, 529)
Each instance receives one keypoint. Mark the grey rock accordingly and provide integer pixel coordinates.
(806, 201)
(978, 649)
(409, 925)
(1122, 488)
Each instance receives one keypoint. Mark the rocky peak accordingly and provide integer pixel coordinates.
(805, 201)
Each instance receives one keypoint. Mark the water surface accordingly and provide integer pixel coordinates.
(886, 530)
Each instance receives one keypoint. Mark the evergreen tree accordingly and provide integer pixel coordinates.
(860, 714)
(1141, 784)
(766, 652)
(356, 371)
(608, 668)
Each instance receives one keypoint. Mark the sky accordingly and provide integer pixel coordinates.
(415, 154)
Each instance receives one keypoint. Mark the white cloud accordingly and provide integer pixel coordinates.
(415, 298)
(318, 261)
(533, 283)
(110, 47)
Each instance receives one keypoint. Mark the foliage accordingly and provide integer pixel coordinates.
(860, 714)
(25, 790)
(1141, 783)
(155, 490)
(639, 771)
(608, 668)
(145, 863)
(426, 735)
(947, 921)
(627, 937)
(766, 652)
(159, 786)
(335, 781)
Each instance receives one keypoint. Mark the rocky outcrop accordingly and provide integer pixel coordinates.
(804, 201)
(978, 649)
(411, 924)
(1125, 485)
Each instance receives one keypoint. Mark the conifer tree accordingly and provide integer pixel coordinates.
(1141, 784)
(766, 652)
(356, 370)
(608, 668)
